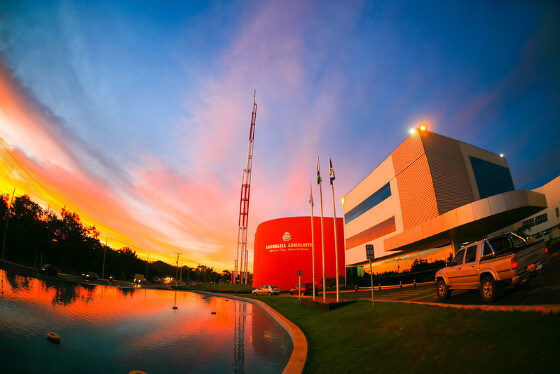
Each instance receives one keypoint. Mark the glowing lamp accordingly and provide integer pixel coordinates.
(423, 127)
(342, 200)
(501, 155)
(411, 131)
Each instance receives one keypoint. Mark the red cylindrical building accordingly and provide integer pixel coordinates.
(283, 247)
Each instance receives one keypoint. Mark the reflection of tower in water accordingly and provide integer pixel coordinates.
(239, 337)
(175, 301)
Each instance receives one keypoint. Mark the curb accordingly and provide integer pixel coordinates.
(299, 353)
(545, 309)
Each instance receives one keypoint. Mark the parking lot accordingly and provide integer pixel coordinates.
(542, 290)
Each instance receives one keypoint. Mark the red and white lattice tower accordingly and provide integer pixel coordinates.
(241, 268)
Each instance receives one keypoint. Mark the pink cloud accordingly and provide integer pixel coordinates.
(49, 173)
(26, 130)
(164, 210)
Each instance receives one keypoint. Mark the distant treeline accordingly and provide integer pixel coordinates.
(34, 236)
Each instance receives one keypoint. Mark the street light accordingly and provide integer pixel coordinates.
(177, 268)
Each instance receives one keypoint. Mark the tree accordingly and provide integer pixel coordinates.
(226, 276)
(36, 234)
(27, 231)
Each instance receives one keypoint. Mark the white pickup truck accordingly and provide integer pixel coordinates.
(502, 259)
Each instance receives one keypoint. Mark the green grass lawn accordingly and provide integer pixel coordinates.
(407, 338)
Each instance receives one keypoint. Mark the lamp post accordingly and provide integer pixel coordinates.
(147, 261)
(177, 267)
(104, 254)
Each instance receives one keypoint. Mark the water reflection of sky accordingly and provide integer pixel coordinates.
(107, 329)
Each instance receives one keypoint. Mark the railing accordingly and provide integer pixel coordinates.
(398, 279)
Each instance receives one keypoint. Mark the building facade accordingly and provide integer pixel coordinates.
(283, 247)
(546, 223)
(432, 191)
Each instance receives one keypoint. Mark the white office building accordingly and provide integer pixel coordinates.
(432, 192)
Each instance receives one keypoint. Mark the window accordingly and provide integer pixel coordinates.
(486, 251)
(504, 243)
(458, 260)
(500, 244)
(491, 179)
(528, 223)
(471, 254)
(517, 241)
(380, 195)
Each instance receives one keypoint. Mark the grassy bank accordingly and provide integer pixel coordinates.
(405, 338)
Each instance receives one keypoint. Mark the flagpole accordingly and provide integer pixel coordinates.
(322, 229)
(331, 171)
(312, 239)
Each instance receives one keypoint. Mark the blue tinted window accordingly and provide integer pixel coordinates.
(491, 179)
(381, 194)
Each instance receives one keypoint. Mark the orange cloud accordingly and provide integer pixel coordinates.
(160, 210)
(160, 213)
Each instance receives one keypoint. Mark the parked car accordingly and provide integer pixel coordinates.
(306, 289)
(266, 290)
(139, 278)
(90, 276)
(49, 269)
(500, 260)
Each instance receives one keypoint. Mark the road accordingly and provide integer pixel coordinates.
(542, 290)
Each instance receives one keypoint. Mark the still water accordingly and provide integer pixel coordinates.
(110, 330)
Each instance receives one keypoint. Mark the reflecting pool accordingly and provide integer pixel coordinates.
(106, 329)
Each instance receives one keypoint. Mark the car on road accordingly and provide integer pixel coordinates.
(505, 259)
(266, 290)
(139, 278)
(49, 269)
(305, 289)
(90, 276)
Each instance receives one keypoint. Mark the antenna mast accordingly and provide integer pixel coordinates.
(244, 206)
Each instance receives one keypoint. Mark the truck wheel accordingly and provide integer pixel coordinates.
(442, 290)
(488, 289)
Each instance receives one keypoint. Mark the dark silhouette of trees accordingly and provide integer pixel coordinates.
(37, 236)
(27, 229)
(225, 276)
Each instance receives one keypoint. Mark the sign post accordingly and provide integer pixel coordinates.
(299, 273)
(370, 256)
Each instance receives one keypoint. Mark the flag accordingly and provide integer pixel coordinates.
(319, 180)
(331, 171)
(311, 196)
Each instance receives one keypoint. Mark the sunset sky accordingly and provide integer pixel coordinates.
(136, 114)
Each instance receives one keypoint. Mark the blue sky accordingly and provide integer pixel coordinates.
(150, 103)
